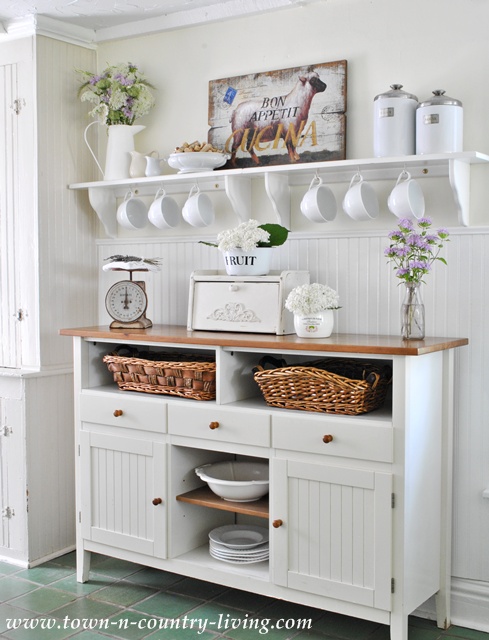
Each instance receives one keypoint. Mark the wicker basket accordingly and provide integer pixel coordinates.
(345, 387)
(186, 376)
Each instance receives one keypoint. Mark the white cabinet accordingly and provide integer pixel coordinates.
(345, 515)
(359, 523)
(47, 264)
(123, 492)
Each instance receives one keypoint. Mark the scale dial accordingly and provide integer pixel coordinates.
(126, 301)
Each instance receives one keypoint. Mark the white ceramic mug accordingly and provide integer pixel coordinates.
(360, 201)
(198, 211)
(164, 212)
(406, 200)
(132, 212)
(319, 203)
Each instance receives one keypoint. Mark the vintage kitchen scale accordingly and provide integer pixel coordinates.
(126, 301)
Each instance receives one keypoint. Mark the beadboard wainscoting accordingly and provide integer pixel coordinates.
(456, 299)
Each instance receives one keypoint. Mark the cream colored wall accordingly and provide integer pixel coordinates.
(423, 45)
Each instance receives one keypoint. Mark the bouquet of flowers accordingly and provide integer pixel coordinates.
(121, 94)
(250, 235)
(414, 251)
(311, 298)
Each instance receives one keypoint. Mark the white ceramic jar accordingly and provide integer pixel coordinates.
(395, 123)
(439, 125)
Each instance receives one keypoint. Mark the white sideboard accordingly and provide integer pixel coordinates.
(359, 506)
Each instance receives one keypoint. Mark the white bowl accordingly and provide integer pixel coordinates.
(197, 161)
(236, 481)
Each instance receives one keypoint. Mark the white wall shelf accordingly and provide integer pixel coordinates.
(278, 179)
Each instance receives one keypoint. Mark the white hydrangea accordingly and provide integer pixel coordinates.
(311, 298)
(245, 236)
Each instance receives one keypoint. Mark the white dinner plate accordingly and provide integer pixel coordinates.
(238, 560)
(239, 536)
(221, 548)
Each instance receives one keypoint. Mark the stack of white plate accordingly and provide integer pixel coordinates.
(239, 544)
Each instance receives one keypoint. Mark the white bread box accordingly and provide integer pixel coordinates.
(254, 304)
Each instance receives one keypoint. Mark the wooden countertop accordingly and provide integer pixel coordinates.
(337, 343)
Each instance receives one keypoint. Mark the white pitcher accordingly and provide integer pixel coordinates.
(138, 163)
(153, 166)
(120, 143)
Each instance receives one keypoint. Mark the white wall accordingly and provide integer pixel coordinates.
(424, 45)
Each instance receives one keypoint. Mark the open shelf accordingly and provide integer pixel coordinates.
(236, 183)
(204, 497)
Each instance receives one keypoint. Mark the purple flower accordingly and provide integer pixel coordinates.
(424, 222)
(443, 233)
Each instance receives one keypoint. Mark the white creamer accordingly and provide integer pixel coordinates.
(395, 123)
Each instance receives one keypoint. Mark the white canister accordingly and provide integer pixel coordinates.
(439, 125)
(395, 123)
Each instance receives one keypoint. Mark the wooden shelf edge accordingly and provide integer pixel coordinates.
(204, 497)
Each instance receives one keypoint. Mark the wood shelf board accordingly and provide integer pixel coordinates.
(337, 343)
(204, 497)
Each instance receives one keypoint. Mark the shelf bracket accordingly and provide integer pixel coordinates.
(238, 190)
(459, 176)
(103, 201)
(278, 192)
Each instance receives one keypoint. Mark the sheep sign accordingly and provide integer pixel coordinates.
(280, 117)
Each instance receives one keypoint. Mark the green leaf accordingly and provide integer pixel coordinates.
(278, 234)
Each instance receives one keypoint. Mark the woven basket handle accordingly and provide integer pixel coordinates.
(373, 379)
(269, 362)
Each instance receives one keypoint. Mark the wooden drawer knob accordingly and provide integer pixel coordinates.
(277, 523)
(157, 501)
(214, 425)
(118, 412)
(327, 438)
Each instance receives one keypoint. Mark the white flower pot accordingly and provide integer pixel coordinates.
(314, 325)
(248, 263)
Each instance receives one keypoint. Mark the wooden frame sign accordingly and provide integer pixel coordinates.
(280, 117)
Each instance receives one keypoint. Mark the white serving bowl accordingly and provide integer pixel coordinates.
(196, 161)
(236, 481)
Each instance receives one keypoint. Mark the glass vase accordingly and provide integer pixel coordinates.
(412, 313)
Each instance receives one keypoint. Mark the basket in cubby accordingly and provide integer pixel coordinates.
(335, 385)
(184, 375)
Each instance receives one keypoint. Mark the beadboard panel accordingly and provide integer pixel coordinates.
(50, 465)
(455, 297)
(66, 223)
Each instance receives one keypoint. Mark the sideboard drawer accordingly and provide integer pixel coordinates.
(341, 437)
(220, 425)
(130, 411)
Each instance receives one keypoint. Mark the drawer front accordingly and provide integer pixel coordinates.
(130, 411)
(236, 306)
(220, 425)
(315, 434)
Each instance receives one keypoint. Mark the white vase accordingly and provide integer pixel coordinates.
(120, 144)
(314, 325)
(248, 263)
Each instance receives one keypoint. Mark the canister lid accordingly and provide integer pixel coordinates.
(440, 98)
(396, 93)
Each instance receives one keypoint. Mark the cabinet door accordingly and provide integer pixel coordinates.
(332, 532)
(123, 492)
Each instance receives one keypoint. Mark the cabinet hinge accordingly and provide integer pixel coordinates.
(79, 517)
(393, 585)
(17, 105)
(393, 500)
(7, 431)
(78, 449)
(8, 512)
(20, 315)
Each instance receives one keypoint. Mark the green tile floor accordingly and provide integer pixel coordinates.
(125, 600)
